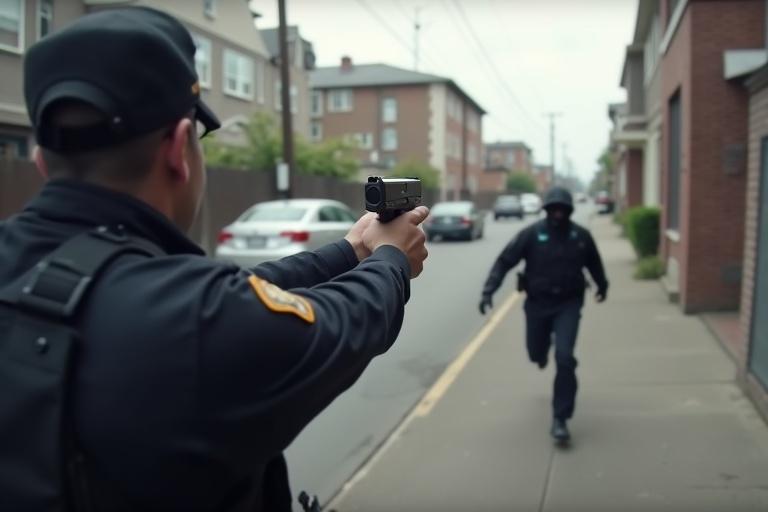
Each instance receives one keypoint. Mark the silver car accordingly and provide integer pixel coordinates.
(275, 229)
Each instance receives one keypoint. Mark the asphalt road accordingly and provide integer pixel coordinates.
(441, 318)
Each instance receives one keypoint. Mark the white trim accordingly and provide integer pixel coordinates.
(204, 83)
(261, 80)
(19, 50)
(674, 22)
(316, 93)
(40, 18)
(673, 235)
(241, 57)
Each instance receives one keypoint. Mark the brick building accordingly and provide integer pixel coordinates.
(752, 346)
(704, 139)
(397, 115)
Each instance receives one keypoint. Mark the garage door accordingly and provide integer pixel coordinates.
(759, 354)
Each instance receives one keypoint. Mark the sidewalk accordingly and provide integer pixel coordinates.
(660, 424)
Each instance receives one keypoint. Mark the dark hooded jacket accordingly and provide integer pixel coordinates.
(555, 257)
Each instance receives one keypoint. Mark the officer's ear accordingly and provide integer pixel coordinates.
(177, 154)
(42, 167)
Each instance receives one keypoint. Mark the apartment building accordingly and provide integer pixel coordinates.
(397, 115)
(301, 57)
(515, 156)
(236, 69)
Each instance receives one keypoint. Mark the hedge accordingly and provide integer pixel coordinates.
(643, 230)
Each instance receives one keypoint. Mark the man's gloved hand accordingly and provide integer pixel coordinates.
(485, 303)
(601, 295)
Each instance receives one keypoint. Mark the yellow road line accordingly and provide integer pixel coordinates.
(435, 393)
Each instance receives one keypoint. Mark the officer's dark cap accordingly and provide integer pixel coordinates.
(135, 65)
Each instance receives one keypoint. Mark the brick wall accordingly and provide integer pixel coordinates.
(758, 129)
(676, 76)
(714, 127)
(719, 131)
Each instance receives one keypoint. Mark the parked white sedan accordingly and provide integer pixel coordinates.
(275, 229)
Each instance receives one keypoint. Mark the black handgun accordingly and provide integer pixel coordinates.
(389, 197)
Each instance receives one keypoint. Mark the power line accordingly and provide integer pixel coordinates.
(385, 25)
(500, 79)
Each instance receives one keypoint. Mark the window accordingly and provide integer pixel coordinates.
(389, 139)
(389, 161)
(335, 214)
(12, 146)
(11, 25)
(44, 18)
(389, 110)
(279, 98)
(203, 60)
(759, 332)
(472, 154)
(317, 103)
(364, 140)
(651, 49)
(209, 8)
(238, 74)
(340, 100)
(261, 76)
(316, 131)
(473, 124)
(673, 178)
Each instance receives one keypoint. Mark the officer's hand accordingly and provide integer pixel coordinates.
(485, 303)
(404, 233)
(601, 295)
(355, 235)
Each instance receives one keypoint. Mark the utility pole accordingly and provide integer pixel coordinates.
(416, 29)
(552, 116)
(285, 80)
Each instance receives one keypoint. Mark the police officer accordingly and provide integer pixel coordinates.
(193, 375)
(555, 250)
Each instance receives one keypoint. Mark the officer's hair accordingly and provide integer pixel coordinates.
(125, 162)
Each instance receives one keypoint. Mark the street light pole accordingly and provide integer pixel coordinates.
(285, 93)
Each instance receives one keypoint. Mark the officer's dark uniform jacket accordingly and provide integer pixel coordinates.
(187, 384)
(554, 262)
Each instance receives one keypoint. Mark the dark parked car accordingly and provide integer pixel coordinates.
(508, 206)
(604, 202)
(455, 219)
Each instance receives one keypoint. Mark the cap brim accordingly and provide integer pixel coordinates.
(206, 116)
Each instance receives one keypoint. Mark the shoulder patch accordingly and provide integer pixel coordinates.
(280, 301)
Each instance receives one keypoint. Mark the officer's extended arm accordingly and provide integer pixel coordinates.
(596, 269)
(265, 373)
(307, 269)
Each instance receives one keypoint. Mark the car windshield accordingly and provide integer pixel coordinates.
(274, 213)
(507, 200)
(450, 209)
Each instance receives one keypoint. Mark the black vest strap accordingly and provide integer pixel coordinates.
(57, 284)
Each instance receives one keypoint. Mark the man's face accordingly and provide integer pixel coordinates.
(557, 214)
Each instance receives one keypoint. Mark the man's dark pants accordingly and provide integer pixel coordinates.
(558, 321)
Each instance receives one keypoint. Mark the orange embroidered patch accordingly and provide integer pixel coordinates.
(280, 301)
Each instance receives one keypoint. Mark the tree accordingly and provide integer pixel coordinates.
(520, 182)
(264, 149)
(429, 176)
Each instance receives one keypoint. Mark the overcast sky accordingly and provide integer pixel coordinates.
(517, 58)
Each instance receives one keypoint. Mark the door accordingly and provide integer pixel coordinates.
(759, 352)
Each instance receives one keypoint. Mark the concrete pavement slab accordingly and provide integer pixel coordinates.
(659, 425)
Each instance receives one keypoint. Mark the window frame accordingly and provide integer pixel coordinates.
(347, 107)
(384, 139)
(21, 32)
(390, 101)
(674, 156)
(205, 82)
(240, 58)
(210, 9)
(41, 17)
(316, 137)
(316, 100)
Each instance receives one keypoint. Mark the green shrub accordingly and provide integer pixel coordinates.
(620, 219)
(649, 268)
(643, 230)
